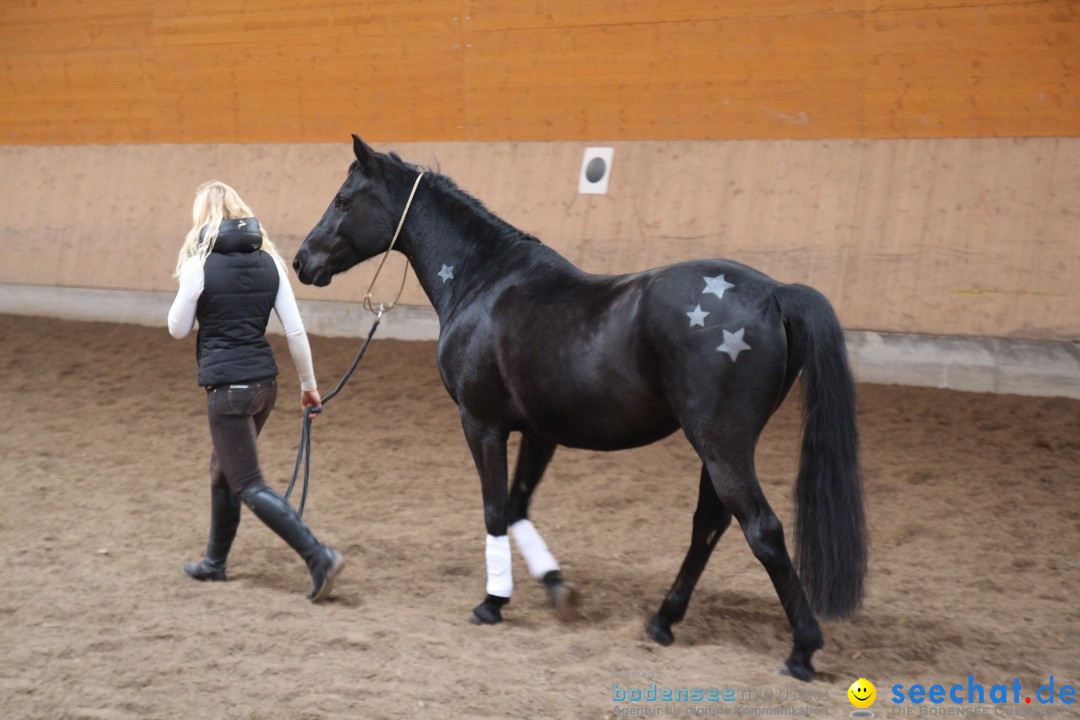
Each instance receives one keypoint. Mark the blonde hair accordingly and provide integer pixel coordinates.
(215, 201)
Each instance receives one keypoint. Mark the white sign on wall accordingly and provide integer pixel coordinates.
(595, 170)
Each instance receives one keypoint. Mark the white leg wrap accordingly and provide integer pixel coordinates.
(534, 549)
(500, 580)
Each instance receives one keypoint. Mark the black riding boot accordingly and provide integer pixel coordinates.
(224, 519)
(323, 563)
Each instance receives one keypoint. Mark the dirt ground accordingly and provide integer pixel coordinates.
(973, 505)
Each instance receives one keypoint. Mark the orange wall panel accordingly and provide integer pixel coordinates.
(935, 5)
(203, 22)
(69, 26)
(93, 96)
(974, 71)
(501, 15)
(747, 77)
(231, 93)
(121, 71)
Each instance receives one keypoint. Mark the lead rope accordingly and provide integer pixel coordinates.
(303, 453)
(368, 305)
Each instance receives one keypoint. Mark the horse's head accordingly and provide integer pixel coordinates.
(361, 219)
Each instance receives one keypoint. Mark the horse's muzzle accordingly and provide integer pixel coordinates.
(308, 274)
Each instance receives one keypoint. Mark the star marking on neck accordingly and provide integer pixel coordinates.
(240, 224)
(447, 272)
(716, 285)
(733, 344)
(697, 316)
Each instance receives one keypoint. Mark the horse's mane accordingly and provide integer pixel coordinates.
(470, 210)
(478, 210)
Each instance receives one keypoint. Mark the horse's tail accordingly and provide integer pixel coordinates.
(830, 526)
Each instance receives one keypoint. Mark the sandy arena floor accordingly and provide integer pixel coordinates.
(973, 503)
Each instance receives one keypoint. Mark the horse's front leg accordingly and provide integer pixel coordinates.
(533, 459)
(488, 446)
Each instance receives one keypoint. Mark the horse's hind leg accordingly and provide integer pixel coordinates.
(711, 519)
(533, 459)
(738, 488)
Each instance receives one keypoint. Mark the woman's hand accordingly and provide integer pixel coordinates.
(311, 399)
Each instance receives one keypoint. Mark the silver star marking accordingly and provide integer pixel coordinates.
(697, 316)
(447, 272)
(733, 344)
(241, 224)
(716, 285)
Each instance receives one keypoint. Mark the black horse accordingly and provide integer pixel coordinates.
(531, 344)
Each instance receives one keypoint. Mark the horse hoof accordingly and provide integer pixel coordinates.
(796, 670)
(659, 630)
(486, 613)
(566, 600)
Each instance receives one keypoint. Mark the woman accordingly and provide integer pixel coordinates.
(231, 276)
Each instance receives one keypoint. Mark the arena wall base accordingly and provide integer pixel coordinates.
(994, 365)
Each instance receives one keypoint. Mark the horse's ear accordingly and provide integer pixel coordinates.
(362, 151)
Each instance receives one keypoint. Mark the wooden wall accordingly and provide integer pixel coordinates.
(228, 71)
(937, 236)
(917, 160)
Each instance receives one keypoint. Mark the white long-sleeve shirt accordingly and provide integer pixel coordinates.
(182, 316)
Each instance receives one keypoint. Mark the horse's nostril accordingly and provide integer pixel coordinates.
(297, 265)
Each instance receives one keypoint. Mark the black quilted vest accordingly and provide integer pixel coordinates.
(239, 287)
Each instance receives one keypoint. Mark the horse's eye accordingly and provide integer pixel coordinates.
(341, 202)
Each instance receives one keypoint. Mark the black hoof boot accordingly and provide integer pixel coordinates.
(564, 597)
(659, 630)
(206, 571)
(323, 571)
(488, 612)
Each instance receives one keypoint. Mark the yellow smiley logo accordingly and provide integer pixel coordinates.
(862, 693)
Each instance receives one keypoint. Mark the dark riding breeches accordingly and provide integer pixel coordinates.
(237, 413)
